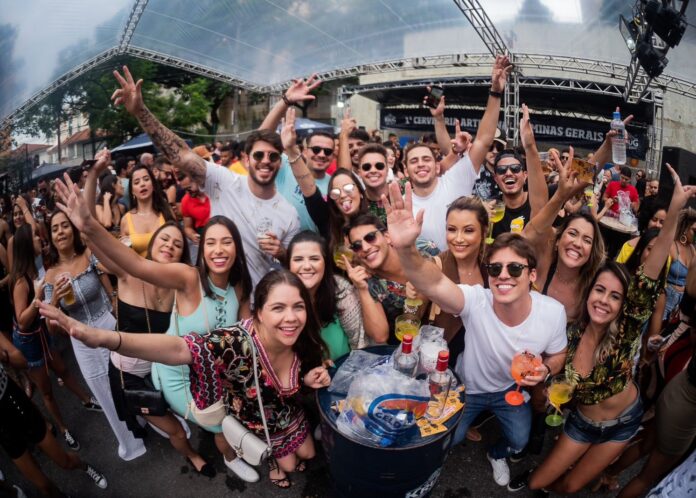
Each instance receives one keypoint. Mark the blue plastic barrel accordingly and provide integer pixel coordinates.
(410, 470)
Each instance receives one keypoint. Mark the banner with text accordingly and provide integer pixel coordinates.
(571, 131)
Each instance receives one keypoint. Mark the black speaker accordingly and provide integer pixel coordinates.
(684, 163)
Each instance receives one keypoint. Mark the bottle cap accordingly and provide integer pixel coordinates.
(406, 343)
(616, 115)
(442, 361)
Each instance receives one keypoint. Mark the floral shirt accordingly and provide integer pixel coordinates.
(223, 367)
(392, 294)
(611, 375)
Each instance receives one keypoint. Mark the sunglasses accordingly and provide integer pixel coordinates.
(272, 156)
(514, 168)
(335, 193)
(367, 166)
(316, 150)
(369, 237)
(514, 269)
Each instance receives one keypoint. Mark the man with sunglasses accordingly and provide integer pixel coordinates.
(511, 176)
(266, 221)
(500, 321)
(317, 156)
(485, 186)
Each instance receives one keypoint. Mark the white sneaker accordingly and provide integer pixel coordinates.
(501, 471)
(242, 469)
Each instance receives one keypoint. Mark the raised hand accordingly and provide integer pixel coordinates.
(436, 112)
(612, 133)
(526, 129)
(501, 70)
(357, 274)
(300, 90)
(130, 94)
(73, 202)
(681, 193)
(103, 158)
(288, 134)
(404, 229)
(462, 140)
(348, 124)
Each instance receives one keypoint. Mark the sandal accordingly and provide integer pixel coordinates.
(301, 466)
(280, 482)
(608, 482)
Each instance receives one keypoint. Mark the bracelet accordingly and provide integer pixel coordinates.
(287, 101)
(302, 177)
(493, 93)
(294, 160)
(119, 342)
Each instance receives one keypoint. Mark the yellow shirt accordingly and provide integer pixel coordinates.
(238, 167)
(626, 251)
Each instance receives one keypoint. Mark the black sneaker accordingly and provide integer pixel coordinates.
(71, 441)
(519, 482)
(518, 457)
(92, 405)
(97, 477)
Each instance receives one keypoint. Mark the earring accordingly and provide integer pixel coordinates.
(683, 240)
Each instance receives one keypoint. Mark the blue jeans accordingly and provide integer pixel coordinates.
(515, 421)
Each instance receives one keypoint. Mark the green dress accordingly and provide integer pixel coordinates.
(336, 339)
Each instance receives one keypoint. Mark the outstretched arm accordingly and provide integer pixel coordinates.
(161, 348)
(304, 177)
(178, 276)
(299, 91)
(603, 154)
(347, 126)
(658, 254)
(173, 147)
(425, 276)
(538, 191)
(486, 130)
(438, 114)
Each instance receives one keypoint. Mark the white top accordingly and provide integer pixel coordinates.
(230, 196)
(456, 182)
(490, 345)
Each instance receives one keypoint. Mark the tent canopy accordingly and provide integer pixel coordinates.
(260, 44)
(137, 142)
(48, 170)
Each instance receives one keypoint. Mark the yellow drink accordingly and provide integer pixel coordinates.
(498, 212)
(560, 393)
(406, 324)
(338, 254)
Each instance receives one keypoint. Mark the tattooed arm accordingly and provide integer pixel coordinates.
(173, 147)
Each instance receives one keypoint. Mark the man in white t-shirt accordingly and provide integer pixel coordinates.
(499, 321)
(266, 221)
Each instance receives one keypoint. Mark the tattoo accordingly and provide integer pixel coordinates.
(172, 146)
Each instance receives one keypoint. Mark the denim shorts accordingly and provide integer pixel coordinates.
(30, 345)
(619, 430)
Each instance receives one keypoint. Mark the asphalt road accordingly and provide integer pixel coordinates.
(162, 472)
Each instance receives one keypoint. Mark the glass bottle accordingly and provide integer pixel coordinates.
(405, 360)
(439, 381)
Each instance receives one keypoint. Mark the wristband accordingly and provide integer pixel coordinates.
(295, 159)
(493, 93)
(287, 101)
(118, 346)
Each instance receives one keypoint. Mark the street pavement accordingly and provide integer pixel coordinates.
(162, 472)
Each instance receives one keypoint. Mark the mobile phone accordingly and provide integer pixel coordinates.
(585, 170)
(432, 99)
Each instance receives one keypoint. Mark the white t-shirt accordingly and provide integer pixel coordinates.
(490, 345)
(456, 182)
(230, 196)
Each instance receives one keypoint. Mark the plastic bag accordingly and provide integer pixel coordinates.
(432, 341)
(357, 362)
(626, 215)
(381, 406)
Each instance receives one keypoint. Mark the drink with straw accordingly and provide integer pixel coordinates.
(523, 363)
(560, 392)
(497, 214)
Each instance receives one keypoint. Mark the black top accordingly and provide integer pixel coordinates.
(318, 210)
(688, 308)
(132, 319)
(524, 212)
(37, 321)
(485, 187)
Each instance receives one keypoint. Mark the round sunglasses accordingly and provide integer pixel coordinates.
(272, 156)
(348, 188)
(369, 237)
(367, 166)
(316, 150)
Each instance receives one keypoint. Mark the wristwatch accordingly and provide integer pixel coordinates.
(493, 93)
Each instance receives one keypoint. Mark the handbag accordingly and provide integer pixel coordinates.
(148, 401)
(245, 443)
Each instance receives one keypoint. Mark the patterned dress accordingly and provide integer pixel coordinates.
(222, 367)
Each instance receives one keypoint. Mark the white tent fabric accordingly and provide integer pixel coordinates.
(266, 42)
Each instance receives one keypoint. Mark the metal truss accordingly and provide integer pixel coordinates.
(637, 82)
(131, 24)
(653, 159)
(191, 67)
(483, 25)
(511, 106)
(62, 80)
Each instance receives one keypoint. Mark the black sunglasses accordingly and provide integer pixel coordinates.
(514, 168)
(514, 269)
(335, 193)
(369, 237)
(272, 156)
(316, 150)
(368, 166)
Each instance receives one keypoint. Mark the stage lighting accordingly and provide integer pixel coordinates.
(667, 22)
(652, 59)
(629, 31)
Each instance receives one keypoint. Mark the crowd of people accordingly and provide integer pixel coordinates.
(189, 274)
